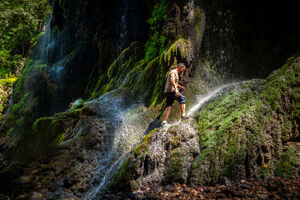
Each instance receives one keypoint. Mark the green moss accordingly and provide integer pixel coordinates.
(41, 138)
(61, 138)
(22, 104)
(175, 167)
(122, 170)
(41, 67)
(149, 70)
(286, 130)
(124, 60)
(112, 69)
(199, 19)
(121, 180)
(122, 72)
(108, 87)
(233, 124)
(142, 147)
(288, 164)
(97, 91)
(157, 40)
(178, 48)
(175, 142)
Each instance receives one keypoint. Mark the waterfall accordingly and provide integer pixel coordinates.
(125, 126)
(212, 94)
(45, 45)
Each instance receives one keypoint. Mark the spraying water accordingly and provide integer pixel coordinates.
(216, 92)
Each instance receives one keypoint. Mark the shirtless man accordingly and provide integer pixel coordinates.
(172, 92)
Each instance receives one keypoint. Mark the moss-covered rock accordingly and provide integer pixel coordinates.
(163, 156)
(246, 133)
(251, 131)
(117, 71)
(54, 154)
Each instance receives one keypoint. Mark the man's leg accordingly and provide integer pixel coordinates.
(181, 100)
(166, 113)
(182, 106)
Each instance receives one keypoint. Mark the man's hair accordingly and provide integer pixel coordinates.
(180, 65)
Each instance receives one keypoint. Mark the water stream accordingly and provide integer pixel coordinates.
(212, 94)
(125, 126)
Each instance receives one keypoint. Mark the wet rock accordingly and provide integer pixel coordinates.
(165, 155)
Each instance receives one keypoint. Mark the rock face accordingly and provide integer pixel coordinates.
(68, 151)
(164, 156)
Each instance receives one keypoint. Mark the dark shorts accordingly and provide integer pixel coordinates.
(171, 97)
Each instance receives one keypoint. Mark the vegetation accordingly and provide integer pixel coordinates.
(243, 133)
(157, 41)
(5, 83)
(20, 22)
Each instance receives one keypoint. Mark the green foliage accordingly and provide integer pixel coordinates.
(157, 41)
(5, 85)
(8, 81)
(19, 24)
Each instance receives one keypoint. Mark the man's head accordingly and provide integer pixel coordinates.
(181, 68)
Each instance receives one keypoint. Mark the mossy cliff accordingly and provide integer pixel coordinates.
(116, 56)
(250, 132)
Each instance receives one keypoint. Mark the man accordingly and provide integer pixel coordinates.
(172, 93)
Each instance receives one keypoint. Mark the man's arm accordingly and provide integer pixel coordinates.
(174, 85)
(180, 86)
